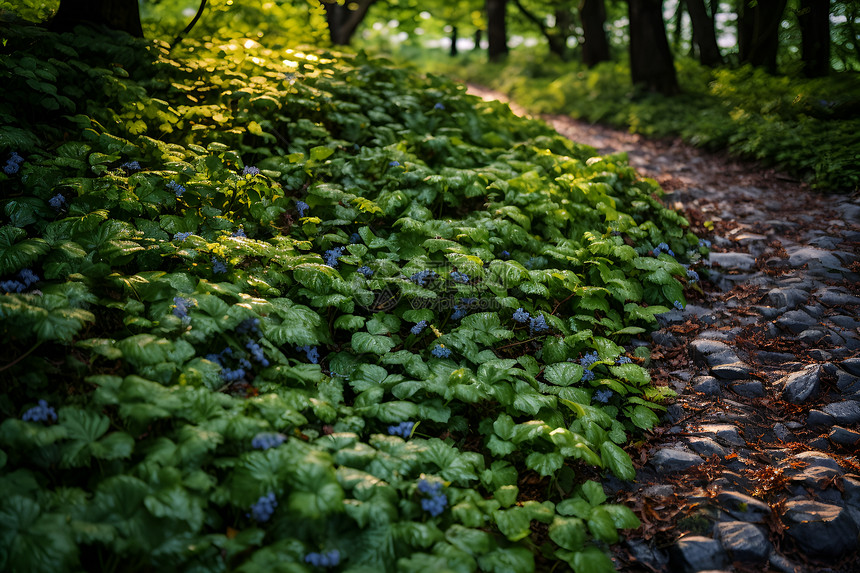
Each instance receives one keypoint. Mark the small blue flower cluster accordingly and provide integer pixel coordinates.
(249, 325)
(240, 232)
(218, 266)
(257, 353)
(181, 306)
(419, 327)
(459, 312)
(436, 503)
(250, 170)
(333, 255)
(704, 243)
(131, 166)
(40, 413)
(176, 188)
(677, 304)
(26, 277)
(354, 239)
(587, 376)
(623, 360)
(537, 324)
(459, 277)
(217, 358)
(312, 352)
(57, 201)
(232, 375)
(589, 359)
(394, 164)
(505, 255)
(664, 248)
(266, 440)
(520, 315)
(440, 351)
(13, 164)
(403, 429)
(421, 277)
(693, 276)
(264, 508)
(325, 560)
(182, 236)
(302, 207)
(439, 105)
(602, 396)
(365, 270)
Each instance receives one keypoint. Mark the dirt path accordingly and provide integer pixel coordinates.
(756, 466)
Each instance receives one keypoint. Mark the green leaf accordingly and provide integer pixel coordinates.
(544, 464)
(593, 492)
(563, 373)
(363, 342)
(622, 516)
(601, 526)
(567, 532)
(644, 417)
(617, 460)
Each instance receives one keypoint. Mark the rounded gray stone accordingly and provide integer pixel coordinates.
(671, 460)
(725, 433)
(749, 389)
(845, 412)
(740, 261)
(707, 447)
(820, 529)
(707, 385)
(833, 297)
(796, 321)
(819, 418)
(743, 507)
(787, 298)
(694, 553)
(815, 258)
(844, 436)
(782, 432)
(851, 365)
(803, 385)
(743, 541)
(712, 352)
(733, 371)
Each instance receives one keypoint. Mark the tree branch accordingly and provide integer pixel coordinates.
(189, 26)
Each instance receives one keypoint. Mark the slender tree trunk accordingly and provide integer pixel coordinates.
(651, 63)
(497, 31)
(453, 41)
(814, 20)
(479, 34)
(758, 32)
(704, 33)
(678, 18)
(557, 44)
(595, 46)
(342, 21)
(123, 15)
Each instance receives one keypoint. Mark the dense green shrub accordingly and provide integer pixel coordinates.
(806, 126)
(262, 306)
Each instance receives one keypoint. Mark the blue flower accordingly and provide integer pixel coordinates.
(231, 375)
(587, 376)
(264, 508)
(182, 236)
(250, 170)
(431, 487)
(302, 207)
(421, 277)
(520, 315)
(40, 413)
(439, 105)
(537, 324)
(176, 188)
(693, 276)
(505, 255)
(240, 232)
(131, 166)
(440, 351)
(248, 325)
(57, 201)
(436, 503)
(325, 560)
(312, 352)
(403, 429)
(459, 312)
(589, 359)
(677, 304)
(459, 277)
(365, 270)
(419, 327)
(181, 306)
(218, 267)
(266, 440)
(333, 255)
(354, 238)
(394, 164)
(602, 396)
(623, 360)
(11, 168)
(705, 243)
(257, 353)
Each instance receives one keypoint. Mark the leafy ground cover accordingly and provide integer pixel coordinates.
(808, 127)
(291, 310)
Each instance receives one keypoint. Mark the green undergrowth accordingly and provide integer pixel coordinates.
(808, 127)
(297, 309)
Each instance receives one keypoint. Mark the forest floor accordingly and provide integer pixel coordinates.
(755, 467)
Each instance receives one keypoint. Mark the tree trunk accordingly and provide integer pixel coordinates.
(453, 41)
(758, 32)
(123, 15)
(557, 44)
(343, 22)
(478, 35)
(814, 20)
(651, 63)
(595, 46)
(704, 33)
(497, 32)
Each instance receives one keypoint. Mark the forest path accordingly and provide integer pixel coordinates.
(755, 467)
